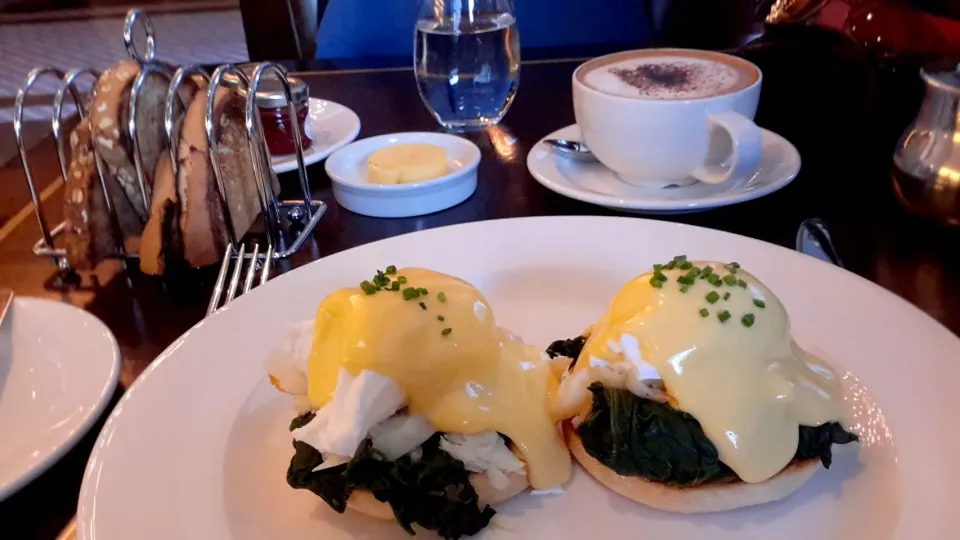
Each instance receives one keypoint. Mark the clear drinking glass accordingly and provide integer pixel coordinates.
(466, 59)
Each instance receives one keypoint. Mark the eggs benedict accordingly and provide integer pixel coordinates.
(690, 395)
(416, 406)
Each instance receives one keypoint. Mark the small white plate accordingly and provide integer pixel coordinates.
(596, 184)
(347, 168)
(330, 126)
(58, 369)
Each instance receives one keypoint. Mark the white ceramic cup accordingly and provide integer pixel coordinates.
(656, 143)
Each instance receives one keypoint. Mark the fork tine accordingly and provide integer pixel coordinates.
(235, 277)
(221, 279)
(265, 273)
(252, 269)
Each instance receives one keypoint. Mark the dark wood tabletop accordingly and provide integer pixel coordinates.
(842, 125)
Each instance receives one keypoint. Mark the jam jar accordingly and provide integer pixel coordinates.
(272, 103)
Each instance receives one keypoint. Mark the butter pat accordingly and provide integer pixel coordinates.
(406, 164)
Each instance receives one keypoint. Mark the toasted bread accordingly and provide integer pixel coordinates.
(704, 498)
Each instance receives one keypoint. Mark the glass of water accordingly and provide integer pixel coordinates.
(466, 58)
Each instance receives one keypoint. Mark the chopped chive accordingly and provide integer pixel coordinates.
(686, 265)
(712, 297)
(656, 283)
(730, 279)
(670, 265)
(446, 331)
(715, 280)
(395, 286)
(732, 267)
(423, 292)
(679, 259)
(759, 303)
(735, 264)
(685, 288)
(423, 306)
(657, 267)
(401, 279)
(410, 293)
(747, 320)
(723, 315)
(704, 313)
(726, 296)
(441, 297)
(742, 284)
(380, 280)
(368, 288)
(440, 318)
(705, 273)
(391, 270)
(659, 276)
(686, 280)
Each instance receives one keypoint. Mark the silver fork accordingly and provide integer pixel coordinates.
(238, 259)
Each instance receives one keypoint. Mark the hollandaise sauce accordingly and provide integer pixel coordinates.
(720, 341)
(436, 337)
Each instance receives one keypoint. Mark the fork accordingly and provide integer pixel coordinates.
(238, 258)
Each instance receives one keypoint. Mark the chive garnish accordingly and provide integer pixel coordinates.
(723, 315)
(670, 265)
(747, 320)
(446, 331)
(423, 292)
(742, 284)
(395, 286)
(704, 313)
(686, 265)
(730, 279)
(410, 293)
(685, 288)
(401, 279)
(368, 288)
(441, 297)
(423, 306)
(686, 279)
(712, 297)
(440, 318)
(659, 276)
(759, 303)
(656, 283)
(706, 272)
(715, 280)
(732, 267)
(726, 296)
(380, 280)
(679, 259)
(391, 270)
(657, 267)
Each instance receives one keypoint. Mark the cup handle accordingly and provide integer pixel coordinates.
(735, 149)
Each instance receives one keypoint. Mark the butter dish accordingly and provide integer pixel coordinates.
(348, 171)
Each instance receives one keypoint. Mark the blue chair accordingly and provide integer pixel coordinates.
(354, 30)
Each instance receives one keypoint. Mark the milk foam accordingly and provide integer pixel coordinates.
(664, 77)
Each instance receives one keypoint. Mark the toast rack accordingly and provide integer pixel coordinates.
(254, 257)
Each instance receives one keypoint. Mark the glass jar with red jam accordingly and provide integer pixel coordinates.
(275, 117)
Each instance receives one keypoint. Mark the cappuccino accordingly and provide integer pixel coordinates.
(667, 74)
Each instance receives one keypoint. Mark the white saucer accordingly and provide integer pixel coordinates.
(347, 169)
(596, 184)
(58, 369)
(330, 126)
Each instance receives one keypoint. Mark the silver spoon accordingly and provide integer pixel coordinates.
(571, 149)
(813, 239)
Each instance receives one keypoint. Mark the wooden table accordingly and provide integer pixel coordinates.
(846, 154)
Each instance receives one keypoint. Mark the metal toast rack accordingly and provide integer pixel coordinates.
(253, 261)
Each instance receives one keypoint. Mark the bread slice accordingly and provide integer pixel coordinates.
(90, 236)
(710, 497)
(364, 502)
(109, 118)
(204, 232)
(161, 242)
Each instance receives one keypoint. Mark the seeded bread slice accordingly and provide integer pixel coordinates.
(89, 234)
(204, 232)
(109, 118)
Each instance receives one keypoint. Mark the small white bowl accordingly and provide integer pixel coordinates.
(347, 168)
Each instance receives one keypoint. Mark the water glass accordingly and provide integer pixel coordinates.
(467, 61)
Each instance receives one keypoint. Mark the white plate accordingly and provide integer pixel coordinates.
(347, 169)
(330, 125)
(57, 373)
(198, 448)
(596, 184)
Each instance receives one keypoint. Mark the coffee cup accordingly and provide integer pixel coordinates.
(661, 117)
